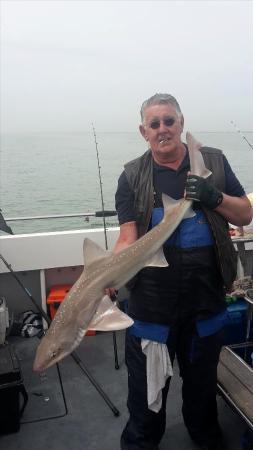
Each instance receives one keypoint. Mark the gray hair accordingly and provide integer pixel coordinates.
(160, 99)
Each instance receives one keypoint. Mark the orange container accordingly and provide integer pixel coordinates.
(56, 295)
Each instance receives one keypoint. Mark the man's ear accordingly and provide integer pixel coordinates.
(182, 121)
(143, 132)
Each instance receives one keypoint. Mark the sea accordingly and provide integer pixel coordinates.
(58, 173)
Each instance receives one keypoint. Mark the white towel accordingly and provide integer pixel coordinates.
(158, 369)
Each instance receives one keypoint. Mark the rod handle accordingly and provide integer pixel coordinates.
(105, 213)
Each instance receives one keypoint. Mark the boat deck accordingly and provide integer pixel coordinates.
(88, 423)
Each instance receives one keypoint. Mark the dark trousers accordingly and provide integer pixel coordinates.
(197, 358)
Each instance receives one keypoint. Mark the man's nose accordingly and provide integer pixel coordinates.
(162, 126)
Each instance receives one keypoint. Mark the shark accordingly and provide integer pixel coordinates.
(103, 269)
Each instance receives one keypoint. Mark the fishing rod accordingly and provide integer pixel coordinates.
(105, 232)
(62, 216)
(241, 134)
(74, 355)
(100, 185)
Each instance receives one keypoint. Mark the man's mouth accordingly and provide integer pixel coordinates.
(163, 141)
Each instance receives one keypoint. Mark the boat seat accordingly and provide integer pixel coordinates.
(235, 382)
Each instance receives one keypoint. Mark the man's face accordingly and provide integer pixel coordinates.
(162, 128)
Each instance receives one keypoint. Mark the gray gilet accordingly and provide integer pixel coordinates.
(139, 173)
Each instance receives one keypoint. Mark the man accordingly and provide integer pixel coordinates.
(181, 305)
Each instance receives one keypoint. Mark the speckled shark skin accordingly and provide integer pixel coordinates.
(103, 269)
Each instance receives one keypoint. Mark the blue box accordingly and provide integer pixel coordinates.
(235, 331)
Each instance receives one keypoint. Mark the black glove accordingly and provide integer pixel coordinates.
(199, 190)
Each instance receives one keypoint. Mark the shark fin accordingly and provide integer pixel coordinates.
(109, 317)
(92, 252)
(189, 214)
(170, 203)
(157, 260)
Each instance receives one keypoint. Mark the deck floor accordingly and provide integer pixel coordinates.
(89, 423)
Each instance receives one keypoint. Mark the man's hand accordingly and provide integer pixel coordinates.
(199, 190)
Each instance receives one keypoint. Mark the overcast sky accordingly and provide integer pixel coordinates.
(65, 64)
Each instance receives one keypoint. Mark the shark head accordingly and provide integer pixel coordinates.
(48, 353)
(63, 337)
(56, 346)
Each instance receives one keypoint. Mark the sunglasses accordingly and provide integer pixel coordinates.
(155, 124)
